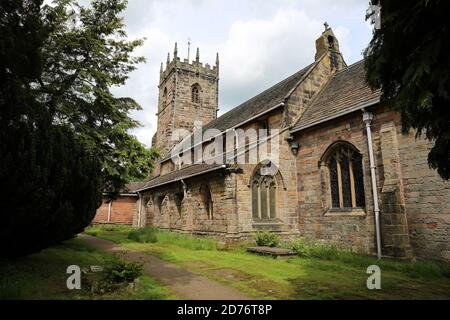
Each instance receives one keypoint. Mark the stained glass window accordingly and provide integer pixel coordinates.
(346, 178)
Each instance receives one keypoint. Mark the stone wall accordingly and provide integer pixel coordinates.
(165, 211)
(427, 200)
(351, 230)
(176, 110)
(414, 201)
(286, 180)
(311, 86)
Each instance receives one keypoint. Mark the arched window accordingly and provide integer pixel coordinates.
(195, 93)
(178, 199)
(205, 193)
(160, 201)
(330, 42)
(346, 177)
(263, 187)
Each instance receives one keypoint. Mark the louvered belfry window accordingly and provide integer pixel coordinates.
(196, 93)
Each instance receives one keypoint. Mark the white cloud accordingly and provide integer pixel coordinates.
(261, 52)
(260, 43)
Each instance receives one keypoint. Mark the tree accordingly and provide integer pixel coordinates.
(408, 58)
(51, 186)
(86, 54)
(63, 135)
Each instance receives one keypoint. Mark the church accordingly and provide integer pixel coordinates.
(316, 156)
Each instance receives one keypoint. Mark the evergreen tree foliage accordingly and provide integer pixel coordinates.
(63, 135)
(408, 58)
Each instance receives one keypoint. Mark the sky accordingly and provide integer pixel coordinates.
(260, 42)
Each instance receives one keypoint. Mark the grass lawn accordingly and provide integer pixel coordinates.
(43, 276)
(297, 278)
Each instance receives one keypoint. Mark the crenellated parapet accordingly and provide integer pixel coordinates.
(194, 66)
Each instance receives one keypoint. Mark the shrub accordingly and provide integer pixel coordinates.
(144, 235)
(119, 271)
(267, 239)
(301, 247)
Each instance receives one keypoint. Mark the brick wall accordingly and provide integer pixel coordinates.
(122, 211)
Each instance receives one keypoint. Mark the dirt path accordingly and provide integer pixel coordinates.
(183, 283)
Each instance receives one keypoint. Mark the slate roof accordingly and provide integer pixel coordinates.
(177, 175)
(132, 187)
(256, 105)
(345, 92)
(260, 103)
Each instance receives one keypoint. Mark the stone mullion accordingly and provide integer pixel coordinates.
(259, 200)
(352, 181)
(339, 174)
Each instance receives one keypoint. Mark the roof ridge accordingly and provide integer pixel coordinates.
(266, 90)
(274, 94)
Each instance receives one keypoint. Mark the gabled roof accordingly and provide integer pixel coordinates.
(259, 104)
(178, 175)
(344, 93)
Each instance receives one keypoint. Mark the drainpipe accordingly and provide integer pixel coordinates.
(109, 210)
(367, 118)
(139, 211)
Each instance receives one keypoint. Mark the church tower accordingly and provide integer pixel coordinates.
(188, 94)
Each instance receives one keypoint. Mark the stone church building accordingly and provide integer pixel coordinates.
(344, 173)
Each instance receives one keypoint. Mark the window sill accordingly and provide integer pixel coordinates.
(266, 221)
(347, 212)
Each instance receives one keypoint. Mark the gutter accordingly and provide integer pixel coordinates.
(122, 194)
(182, 178)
